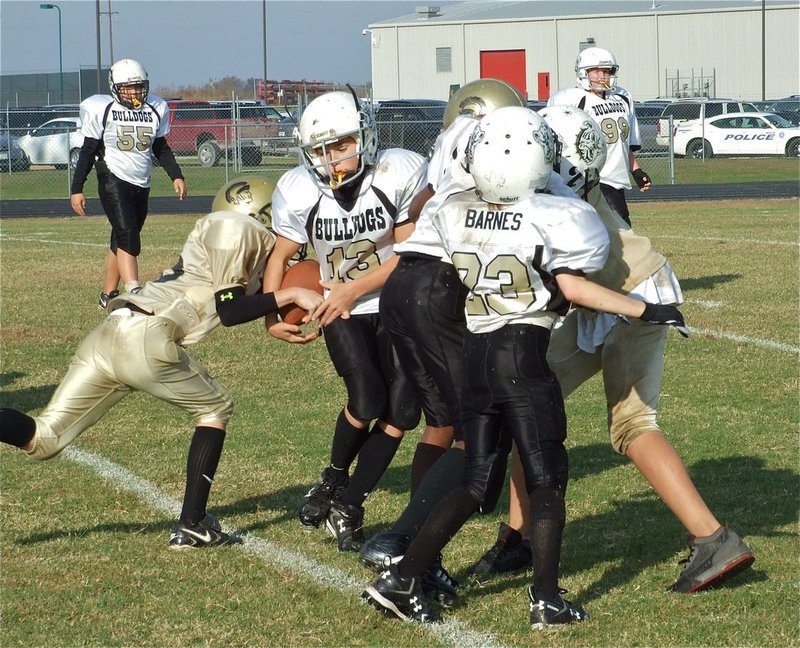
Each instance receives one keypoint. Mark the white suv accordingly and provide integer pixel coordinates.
(686, 112)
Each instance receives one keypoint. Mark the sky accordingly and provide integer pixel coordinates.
(189, 42)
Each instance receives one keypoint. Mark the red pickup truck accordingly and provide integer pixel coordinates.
(210, 129)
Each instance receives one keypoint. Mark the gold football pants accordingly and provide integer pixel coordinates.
(127, 352)
(632, 361)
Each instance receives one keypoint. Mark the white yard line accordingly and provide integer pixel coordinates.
(706, 303)
(722, 239)
(744, 339)
(450, 632)
(36, 239)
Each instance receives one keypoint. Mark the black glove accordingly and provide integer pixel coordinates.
(641, 177)
(665, 314)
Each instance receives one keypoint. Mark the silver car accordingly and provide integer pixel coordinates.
(12, 157)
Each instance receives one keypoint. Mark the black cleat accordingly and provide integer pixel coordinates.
(206, 533)
(712, 560)
(317, 502)
(346, 523)
(400, 597)
(102, 303)
(439, 585)
(509, 554)
(383, 547)
(555, 612)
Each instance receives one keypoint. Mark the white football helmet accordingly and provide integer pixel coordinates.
(479, 98)
(128, 72)
(510, 155)
(596, 57)
(583, 147)
(326, 120)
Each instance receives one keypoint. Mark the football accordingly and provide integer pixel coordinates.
(304, 274)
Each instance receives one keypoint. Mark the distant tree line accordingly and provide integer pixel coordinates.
(286, 92)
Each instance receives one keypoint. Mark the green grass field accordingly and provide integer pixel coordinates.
(84, 538)
(51, 183)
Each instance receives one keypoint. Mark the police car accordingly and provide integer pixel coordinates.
(744, 133)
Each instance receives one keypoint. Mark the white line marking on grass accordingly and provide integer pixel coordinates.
(5, 237)
(706, 303)
(450, 632)
(722, 239)
(54, 241)
(769, 344)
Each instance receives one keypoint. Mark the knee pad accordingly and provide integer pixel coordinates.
(623, 433)
(128, 241)
(221, 413)
(45, 448)
(484, 478)
(549, 467)
(405, 414)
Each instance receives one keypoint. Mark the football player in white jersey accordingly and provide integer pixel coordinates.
(123, 134)
(611, 106)
(140, 346)
(350, 202)
(631, 359)
(523, 255)
(422, 305)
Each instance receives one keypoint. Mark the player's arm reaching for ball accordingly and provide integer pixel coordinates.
(277, 264)
(235, 307)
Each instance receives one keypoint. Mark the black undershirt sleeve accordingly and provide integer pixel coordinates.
(85, 163)
(234, 307)
(163, 153)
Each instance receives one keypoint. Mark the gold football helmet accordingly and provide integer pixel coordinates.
(250, 195)
(479, 98)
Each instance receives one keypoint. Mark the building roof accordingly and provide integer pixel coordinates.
(482, 10)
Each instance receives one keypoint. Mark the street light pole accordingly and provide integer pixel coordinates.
(60, 58)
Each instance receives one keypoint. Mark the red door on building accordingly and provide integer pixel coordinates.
(507, 65)
(544, 86)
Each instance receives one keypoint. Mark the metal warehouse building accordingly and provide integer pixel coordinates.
(741, 49)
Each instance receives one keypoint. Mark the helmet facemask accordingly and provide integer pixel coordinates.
(134, 100)
(604, 85)
(321, 159)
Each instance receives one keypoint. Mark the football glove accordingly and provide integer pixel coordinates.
(665, 314)
(640, 177)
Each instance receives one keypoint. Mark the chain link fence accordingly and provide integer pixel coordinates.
(215, 142)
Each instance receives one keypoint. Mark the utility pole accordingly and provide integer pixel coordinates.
(109, 13)
(264, 14)
(99, 64)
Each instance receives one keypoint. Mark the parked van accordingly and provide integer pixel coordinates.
(686, 112)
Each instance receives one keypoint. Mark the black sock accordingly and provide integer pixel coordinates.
(443, 477)
(374, 458)
(425, 456)
(443, 523)
(548, 514)
(347, 442)
(16, 428)
(201, 466)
